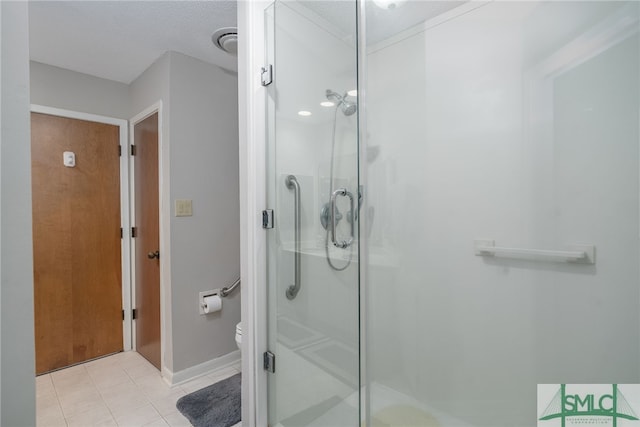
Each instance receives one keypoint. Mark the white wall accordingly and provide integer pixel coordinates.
(17, 363)
(490, 126)
(70, 90)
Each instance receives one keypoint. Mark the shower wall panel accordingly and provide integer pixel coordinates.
(515, 122)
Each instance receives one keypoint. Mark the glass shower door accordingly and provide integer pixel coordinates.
(312, 187)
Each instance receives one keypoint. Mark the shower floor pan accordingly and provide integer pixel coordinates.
(334, 357)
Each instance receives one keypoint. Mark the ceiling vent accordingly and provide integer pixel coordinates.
(226, 39)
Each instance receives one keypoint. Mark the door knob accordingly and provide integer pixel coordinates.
(152, 255)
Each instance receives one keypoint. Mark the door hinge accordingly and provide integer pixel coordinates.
(134, 313)
(267, 218)
(122, 314)
(134, 231)
(119, 150)
(266, 75)
(134, 150)
(121, 233)
(269, 360)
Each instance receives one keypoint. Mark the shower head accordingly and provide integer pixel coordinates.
(348, 108)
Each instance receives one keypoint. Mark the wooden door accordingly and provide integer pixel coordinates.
(76, 241)
(147, 241)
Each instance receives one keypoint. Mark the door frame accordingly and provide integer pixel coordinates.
(163, 197)
(124, 204)
(253, 243)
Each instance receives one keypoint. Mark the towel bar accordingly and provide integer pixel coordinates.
(581, 254)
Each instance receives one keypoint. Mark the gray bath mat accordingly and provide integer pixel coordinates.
(215, 406)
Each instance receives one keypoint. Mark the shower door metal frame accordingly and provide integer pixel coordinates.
(363, 220)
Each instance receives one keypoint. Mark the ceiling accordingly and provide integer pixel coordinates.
(380, 23)
(118, 40)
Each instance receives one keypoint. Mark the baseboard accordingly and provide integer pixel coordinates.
(208, 367)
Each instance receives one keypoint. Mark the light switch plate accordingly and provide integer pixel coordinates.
(184, 207)
(69, 159)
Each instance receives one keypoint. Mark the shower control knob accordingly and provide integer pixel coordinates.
(325, 215)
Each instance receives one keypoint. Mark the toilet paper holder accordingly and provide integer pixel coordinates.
(203, 295)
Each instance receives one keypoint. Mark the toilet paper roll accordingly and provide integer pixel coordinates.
(212, 304)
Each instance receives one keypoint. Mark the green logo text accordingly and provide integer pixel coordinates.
(613, 405)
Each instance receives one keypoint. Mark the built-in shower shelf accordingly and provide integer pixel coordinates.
(314, 249)
(580, 254)
(376, 255)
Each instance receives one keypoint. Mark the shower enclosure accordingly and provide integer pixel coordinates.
(453, 210)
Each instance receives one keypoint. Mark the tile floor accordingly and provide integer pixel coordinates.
(119, 390)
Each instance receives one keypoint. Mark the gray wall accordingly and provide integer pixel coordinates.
(69, 90)
(199, 161)
(150, 87)
(17, 365)
(205, 248)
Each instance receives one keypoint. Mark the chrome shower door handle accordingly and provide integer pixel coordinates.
(344, 243)
(292, 183)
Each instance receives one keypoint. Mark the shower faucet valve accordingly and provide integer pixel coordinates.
(325, 215)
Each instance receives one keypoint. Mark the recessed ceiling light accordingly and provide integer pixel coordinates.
(304, 113)
(352, 92)
(327, 104)
(389, 4)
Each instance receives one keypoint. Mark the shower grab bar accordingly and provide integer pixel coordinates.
(581, 254)
(345, 243)
(228, 289)
(292, 184)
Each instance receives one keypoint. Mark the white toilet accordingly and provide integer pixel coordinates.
(239, 335)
